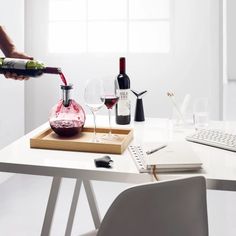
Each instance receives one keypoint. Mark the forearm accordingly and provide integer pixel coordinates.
(6, 44)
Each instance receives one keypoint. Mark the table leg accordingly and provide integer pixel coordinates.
(52, 200)
(73, 207)
(92, 203)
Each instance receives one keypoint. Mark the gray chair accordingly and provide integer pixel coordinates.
(165, 208)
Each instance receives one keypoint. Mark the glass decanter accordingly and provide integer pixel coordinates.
(67, 117)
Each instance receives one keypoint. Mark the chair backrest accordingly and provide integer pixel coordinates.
(166, 208)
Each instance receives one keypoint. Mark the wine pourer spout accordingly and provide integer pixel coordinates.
(139, 95)
(66, 94)
(139, 111)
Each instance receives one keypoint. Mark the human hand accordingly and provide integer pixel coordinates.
(16, 54)
(9, 50)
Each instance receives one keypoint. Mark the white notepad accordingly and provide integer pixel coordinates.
(176, 156)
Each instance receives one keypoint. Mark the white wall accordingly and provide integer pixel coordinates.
(229, 36)
(191, 67)
(12, 92)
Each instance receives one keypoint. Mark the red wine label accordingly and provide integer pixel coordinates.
(10, 63)
(123, 106)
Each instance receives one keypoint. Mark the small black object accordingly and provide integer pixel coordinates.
(139, 112)
(103, 162)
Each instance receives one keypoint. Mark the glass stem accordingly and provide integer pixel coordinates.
(95, 126)
(109, 114)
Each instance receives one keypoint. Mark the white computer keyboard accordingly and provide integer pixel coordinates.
(215, 138)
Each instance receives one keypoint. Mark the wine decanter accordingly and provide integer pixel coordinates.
(67, 117)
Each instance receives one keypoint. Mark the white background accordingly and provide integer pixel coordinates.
(12, 92)
(193, 66)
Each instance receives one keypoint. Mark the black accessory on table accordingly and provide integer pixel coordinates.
(104, 161)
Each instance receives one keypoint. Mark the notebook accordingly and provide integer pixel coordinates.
(175, 156)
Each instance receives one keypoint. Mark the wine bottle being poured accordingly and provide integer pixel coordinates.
(25, 67)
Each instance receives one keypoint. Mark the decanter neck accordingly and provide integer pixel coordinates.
(66, 94)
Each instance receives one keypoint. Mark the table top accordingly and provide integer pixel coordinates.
(219, 166)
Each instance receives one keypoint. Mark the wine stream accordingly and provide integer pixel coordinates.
(63, 78)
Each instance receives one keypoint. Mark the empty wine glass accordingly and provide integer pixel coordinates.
(93, 96)
(111, 96)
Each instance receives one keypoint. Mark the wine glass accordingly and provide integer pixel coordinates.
(93, 96)
(111, 97)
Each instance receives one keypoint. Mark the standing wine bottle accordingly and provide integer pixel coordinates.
(25, 67)
(123, 105)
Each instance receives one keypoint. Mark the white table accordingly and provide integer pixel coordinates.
(219, 166)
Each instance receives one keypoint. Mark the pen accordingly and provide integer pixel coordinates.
(155, 149)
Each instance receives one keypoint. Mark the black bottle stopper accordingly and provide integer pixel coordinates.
(139, 112)
(105, 161)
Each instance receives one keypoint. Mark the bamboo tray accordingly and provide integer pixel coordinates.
(83, 142)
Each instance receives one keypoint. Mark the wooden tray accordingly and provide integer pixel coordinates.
(83, 142)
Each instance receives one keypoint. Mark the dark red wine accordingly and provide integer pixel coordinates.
(110, 100)
(66, 128)
(123, 105)
(63, 78)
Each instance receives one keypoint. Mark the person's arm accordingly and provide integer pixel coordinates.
(6, 44)
(9, 50)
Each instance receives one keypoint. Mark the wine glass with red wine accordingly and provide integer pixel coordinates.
(93, 96)
(111, 97)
